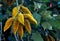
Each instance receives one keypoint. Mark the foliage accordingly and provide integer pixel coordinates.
(45, 17)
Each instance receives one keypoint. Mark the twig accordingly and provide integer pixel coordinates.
(21, 39)
(17, 2)
(16, 37)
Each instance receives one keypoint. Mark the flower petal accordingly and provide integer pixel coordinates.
(27, 26)
(20, 31)
(21, 18)
(8, 24)
(15, 11)
(30, 18)
(26, 10)
(15, 26)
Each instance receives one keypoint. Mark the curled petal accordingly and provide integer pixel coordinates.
(20, 31)
(15, 11)
(30, 18)
(21, 18)
(8, 24)
(26, 10)
(27, 26)
(15, 26)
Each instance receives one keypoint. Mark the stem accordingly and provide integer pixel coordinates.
(17, 2)
(21, 39)
(28, 38)
(1, 30)
(22, 1)
(16, 37)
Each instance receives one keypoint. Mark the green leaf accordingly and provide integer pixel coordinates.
(37, 5)
(46, 25)
(58, 17)
(47, 0)
(36, 37)
(47, 15)
(55, 23)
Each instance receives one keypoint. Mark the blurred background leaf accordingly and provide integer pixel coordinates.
(55, 23)
(46, 25)
(36, 37)
(41, 11)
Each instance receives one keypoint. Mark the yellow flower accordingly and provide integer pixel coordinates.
(20, 20)
(26, 10)
(15, 26)
(27, 26)
(15, 11)
(8, 24)
(30, 18)
(20, 31)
